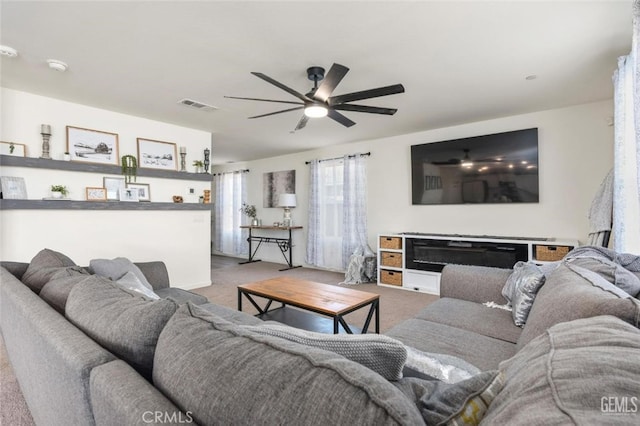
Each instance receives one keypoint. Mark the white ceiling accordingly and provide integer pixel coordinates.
(459, 61)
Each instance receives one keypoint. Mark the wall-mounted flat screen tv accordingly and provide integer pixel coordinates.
(498, 168)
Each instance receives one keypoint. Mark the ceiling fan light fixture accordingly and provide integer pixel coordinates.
(315, 111)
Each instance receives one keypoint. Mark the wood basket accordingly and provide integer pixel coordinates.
(394, 243)
(551, 253)
(392, 259)
(391, 277)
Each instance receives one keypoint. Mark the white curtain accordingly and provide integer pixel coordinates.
(230, 191)
(626, 198)
(337, 211)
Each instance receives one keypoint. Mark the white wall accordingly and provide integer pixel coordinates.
(179, 238)
(575, 153)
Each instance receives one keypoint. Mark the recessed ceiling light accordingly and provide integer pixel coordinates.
(8, 51)
(531, 77)
(57, 65)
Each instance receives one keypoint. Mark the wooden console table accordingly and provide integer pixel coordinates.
(284, 244)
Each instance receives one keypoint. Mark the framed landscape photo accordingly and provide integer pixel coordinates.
(157, 154)
(129, 194)
(144, 192)
(12, 148)
(113, 186)
(13, 188)
(92, 146)
(96, 194)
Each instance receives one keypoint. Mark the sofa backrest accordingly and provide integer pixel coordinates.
(567, 295)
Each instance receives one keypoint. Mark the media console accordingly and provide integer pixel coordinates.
(413, 261)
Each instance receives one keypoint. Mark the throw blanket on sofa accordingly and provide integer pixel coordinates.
(629, 261)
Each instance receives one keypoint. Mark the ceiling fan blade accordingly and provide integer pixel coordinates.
(302, 123)
(264, 100)
(282, 86)
(330, 81)
(340, 118)
(277, 112)
(365, 108)
(366, 94)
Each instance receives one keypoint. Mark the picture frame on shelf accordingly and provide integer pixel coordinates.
(13, 188)
(92, 146)
(13, 148)
(154, 154)
(113, 186)
(143, 189)
(95, 193)
(129, 195)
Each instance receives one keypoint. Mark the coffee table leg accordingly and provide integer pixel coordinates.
(335, 325)
(374, 309)
(239, 300)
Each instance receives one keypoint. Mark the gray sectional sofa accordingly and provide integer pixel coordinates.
(113, 357)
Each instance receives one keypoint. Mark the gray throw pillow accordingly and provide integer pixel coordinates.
(446, 368)
(521, 289)
(44, 264)
(568, 374)
(462, 403)
(382, 354)
(56, 291)
(124, 322)
(115, 269)
(131, 282)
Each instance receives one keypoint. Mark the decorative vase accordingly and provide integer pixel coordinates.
(255, 222)
(56, 194)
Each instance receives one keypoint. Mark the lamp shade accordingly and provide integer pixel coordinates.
(287, 200)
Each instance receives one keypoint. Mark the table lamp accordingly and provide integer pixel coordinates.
(287, 201)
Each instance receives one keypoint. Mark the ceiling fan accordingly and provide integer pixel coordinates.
(319, 103)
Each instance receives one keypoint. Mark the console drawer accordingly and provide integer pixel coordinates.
(393, 259)
(394, 243)
(391, 277)
(550, 253)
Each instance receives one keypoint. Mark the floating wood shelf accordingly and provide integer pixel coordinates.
(96, 205)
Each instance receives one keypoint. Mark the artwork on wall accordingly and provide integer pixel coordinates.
(129, 194)
(92, 146)
(143, 189)
(96, 194)
(157, 154)
(13, 188)
(276, 183)
(12, 148)
(113, 185)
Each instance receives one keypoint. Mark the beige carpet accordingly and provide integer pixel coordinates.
(395, 306)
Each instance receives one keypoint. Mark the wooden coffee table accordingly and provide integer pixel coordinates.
(324, 299)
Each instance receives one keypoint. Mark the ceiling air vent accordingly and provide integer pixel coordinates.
(197, 105)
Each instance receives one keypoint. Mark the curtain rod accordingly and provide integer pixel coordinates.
(234, 171)
(366, 154)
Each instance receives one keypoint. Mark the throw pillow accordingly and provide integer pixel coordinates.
(521, 289)
(122, 321)
(462, 403)
(225, 374)
(43, 266)
(56, 291)
(611, 271)
(382, 354)
(567, 375)
(446, 368)
(116, 268)
(131, 282)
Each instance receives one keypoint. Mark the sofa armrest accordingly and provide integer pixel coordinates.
(156, 273)
(474, 283)
(120, 396)
(17, 269)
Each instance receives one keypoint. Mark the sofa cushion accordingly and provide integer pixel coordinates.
(382, 354)
(428, 336)
(117, 268)
(230, 375)
(462, 403)
(613, 272)
(567, 296)
(471, 316)
(181, 296)
(56, 291)
(44, 264)
(124, 322)
(568, 374)
(231, 315)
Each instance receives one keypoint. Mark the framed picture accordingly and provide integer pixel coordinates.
(144, 192)
(13, 188)
(157, 154)
(92, 146)
(128, 194)
(12, 148)
(96, 194)
(113, 186)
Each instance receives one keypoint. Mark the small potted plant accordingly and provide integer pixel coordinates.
(59, 191)
(199, 165)
(250, 210)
